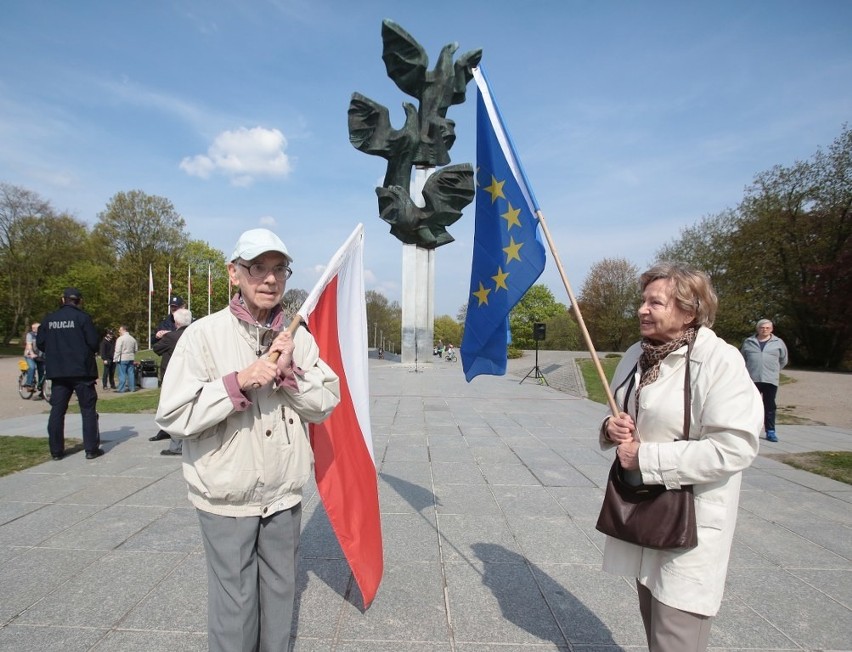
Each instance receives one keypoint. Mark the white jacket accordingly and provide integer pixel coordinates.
(726, 418)
(126, 347)
(253, 458)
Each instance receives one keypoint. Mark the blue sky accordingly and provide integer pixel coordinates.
(632, 119)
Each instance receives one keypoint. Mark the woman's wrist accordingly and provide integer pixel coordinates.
(605, 430)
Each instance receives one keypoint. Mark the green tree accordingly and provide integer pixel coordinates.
(384, 321)
(448, 330)
(785, 254)
(134, 231)
(199, 262)
(36, 247)
(795, 240)
(537, 305)
(608, 302)
(563, 333)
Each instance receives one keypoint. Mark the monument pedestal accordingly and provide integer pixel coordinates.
(418, 301)
(418, 288)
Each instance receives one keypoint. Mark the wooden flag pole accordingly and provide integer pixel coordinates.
(291, 329)
(576, 308)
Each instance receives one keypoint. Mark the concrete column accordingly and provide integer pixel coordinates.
(418, 289)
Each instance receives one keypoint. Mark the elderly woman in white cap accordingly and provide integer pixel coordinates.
(246, 456)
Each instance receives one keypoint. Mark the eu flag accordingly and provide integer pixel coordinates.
(508, 255)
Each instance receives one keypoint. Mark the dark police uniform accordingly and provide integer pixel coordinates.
(70, 342)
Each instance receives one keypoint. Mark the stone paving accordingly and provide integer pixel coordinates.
(489, 493)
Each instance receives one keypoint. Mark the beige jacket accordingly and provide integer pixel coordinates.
(726, 418)
(251, 458)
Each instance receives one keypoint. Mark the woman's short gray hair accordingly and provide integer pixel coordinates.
(693, 290)
(183, 317)
(763, 322)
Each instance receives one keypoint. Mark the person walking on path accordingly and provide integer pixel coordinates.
(107, 352)
(126, 347)
(164, 347)
(70, 342)
(765, 356)
(35, 361)
(243, 418)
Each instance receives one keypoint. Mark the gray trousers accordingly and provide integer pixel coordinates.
(251, 580)
(669, 629)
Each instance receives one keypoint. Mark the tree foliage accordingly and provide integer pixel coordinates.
(785, 254)
(563, 333)
(537, 305)
(608, 302)
(448, 330)
(384, 321)
(39, 250)
(134, 231)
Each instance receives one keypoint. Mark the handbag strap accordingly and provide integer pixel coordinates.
(687, 392)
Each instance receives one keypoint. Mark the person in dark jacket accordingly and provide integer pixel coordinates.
(107, 352)
(70, 342)
(164, 347)
(167, 325)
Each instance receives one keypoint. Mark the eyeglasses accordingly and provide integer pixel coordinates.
(256, 270)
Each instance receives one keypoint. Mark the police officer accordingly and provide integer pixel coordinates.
(70, 342)
(168, 323)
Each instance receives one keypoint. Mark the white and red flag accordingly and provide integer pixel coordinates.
(345, 469)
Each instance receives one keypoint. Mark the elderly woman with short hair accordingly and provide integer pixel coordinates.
(765, 356)
(680, 590)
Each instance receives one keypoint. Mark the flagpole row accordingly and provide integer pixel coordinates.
(576, 308)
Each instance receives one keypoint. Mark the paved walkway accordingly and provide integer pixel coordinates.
(489, 494)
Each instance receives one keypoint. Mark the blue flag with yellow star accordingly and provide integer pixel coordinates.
(508, 255)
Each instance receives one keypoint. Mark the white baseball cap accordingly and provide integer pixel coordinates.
(255, 242)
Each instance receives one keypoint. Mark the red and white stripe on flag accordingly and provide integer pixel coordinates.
(345, 469)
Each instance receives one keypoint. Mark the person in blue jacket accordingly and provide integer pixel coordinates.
(70, 342)
(765, 356)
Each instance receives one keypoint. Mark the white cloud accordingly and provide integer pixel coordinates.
(242, 155)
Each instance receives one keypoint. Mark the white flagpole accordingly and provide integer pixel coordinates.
(189, 287)
(209, 288)
(169, 294)
(150, 295)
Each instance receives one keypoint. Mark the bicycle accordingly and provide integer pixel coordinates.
(26, 391)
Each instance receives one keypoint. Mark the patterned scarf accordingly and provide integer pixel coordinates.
(653, 355)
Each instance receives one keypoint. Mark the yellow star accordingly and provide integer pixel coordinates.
(482, 295)
(496, 189)
(512, 250)
(511, 217)
(500, 280)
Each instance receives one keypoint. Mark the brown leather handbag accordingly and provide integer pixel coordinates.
(650, 515)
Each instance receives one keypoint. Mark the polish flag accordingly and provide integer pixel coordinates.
(345, 469)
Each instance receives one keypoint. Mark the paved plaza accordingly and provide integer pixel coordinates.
(489, 494)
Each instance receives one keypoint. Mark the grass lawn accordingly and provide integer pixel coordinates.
(836, 465)
(594, 388)
(19, 453)
(143, 401)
